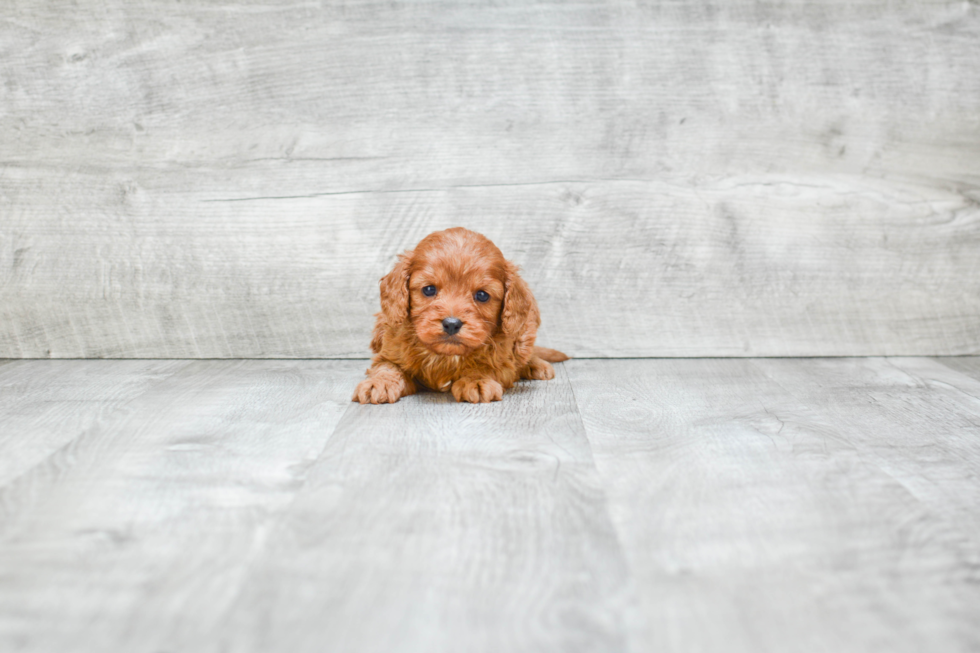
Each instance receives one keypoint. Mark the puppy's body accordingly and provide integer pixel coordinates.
(455, 316)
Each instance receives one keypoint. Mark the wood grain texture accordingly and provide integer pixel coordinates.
(968, 365)
(736, 505)
(772, 505)
(205, 180)
(434, 526)
(137, 534)
(43, 408)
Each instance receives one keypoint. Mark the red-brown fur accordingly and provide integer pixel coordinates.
(494, 348)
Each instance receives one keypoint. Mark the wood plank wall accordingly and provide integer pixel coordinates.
(230, 179)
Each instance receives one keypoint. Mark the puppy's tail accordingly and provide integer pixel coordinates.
(550, 355)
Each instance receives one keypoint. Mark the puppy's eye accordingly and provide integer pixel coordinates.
(482, 296)
(429, 291)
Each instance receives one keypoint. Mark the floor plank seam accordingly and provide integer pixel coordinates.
(26, 473)
(276, 518)
(630, 591)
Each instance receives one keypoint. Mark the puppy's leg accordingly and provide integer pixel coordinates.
(386, 384)
(477, 391)
(538, 369)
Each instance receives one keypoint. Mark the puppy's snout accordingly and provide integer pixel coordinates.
(452, 325)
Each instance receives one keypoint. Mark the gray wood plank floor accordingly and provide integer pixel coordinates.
(631, 505)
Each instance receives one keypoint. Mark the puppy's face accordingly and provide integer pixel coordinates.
(456, 291)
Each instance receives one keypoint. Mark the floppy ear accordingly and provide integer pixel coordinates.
(519, 318)
(394, 299)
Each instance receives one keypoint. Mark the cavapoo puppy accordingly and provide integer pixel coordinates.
(455, 317)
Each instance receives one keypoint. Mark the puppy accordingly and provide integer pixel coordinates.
(455, 317)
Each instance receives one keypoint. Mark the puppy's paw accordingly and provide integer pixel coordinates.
(380, 390)
(477, 391)
(538, 370)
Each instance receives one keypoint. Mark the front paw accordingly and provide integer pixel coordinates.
(375, 390)
(477, 391)
(538, 370)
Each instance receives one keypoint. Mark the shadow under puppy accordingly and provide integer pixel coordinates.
(455, 316)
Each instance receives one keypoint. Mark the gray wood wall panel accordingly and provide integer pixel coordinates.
(780, 504)
(231, 179)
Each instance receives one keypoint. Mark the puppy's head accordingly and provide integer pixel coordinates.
(458, 292)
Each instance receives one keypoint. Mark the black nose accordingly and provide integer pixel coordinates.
(452, 325)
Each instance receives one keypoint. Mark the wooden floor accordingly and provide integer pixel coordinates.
(628, 505)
